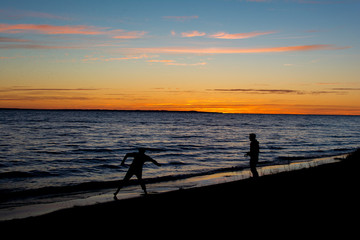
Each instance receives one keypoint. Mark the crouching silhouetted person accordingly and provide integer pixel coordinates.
(136, 168)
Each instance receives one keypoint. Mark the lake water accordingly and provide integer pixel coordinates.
(64, 151)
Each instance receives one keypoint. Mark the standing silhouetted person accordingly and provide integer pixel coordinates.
(136, 168)
(254, 154)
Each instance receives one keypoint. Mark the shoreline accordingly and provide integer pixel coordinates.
(308, 189)
(39, 205)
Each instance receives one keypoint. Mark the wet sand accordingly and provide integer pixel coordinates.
(325, 194)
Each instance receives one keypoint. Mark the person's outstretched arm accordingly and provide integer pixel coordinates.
(154, 162)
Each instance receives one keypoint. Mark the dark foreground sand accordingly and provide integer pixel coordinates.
(326, 197)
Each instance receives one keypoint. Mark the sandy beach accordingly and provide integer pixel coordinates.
(326, 193)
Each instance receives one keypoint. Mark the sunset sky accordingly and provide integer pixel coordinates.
(231, 56)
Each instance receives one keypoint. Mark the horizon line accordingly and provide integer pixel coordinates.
(189, 111)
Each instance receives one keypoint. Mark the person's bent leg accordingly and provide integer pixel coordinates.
(123, 182)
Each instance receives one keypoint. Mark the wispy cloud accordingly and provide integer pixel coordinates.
(26, 89)
(193, 34)
(8, 58)
(259, 91)
(175, 63)
(129, 35)
(187, 50)
(346, 89)
(6, 39)
(25, 94)
(271, 91)
(224, 35)
(70, 29)
(160, 61)
(180, 18)
(129, 57)
(43, 98)
(35, 46)
(51, 29)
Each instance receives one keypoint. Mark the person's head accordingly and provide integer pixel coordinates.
(252, 136)
(142, 150)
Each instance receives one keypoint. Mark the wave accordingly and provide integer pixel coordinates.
(109, 166)
(294, 158)
(20, 174)
(100, 150)
(275, 148)
(320, 154)
(176, 163)
(6, 195)
(187, 137)
(99, 185)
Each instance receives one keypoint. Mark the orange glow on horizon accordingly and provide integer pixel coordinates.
(246, 109)
(289, 101)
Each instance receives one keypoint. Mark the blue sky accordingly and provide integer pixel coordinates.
(134, 47)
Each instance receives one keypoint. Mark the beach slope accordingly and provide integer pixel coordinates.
(324, 193)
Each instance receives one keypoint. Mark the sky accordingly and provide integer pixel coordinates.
(230, 56)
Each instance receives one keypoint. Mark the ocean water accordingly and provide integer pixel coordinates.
(64, 151)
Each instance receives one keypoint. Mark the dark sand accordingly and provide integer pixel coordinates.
(320, 197)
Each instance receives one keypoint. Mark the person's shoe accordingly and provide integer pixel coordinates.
(115, 197)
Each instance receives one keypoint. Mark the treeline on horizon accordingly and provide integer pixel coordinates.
(165, 111)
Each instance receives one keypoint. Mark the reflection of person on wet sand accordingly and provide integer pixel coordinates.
(136, 168)
(254, 154)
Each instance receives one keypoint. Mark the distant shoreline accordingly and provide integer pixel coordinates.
(102, 110)
(162, 111)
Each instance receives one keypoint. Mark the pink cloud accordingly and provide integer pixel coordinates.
(224, 35)
(174, 63)
(35, 46)
(130, 57)
(160, 61)
(5, 39)
(130, 35)
(50, 29)
(67, 29)
(193, 34)
(186, 50)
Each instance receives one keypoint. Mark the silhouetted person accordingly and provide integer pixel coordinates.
(254, 154)
(136, 168)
